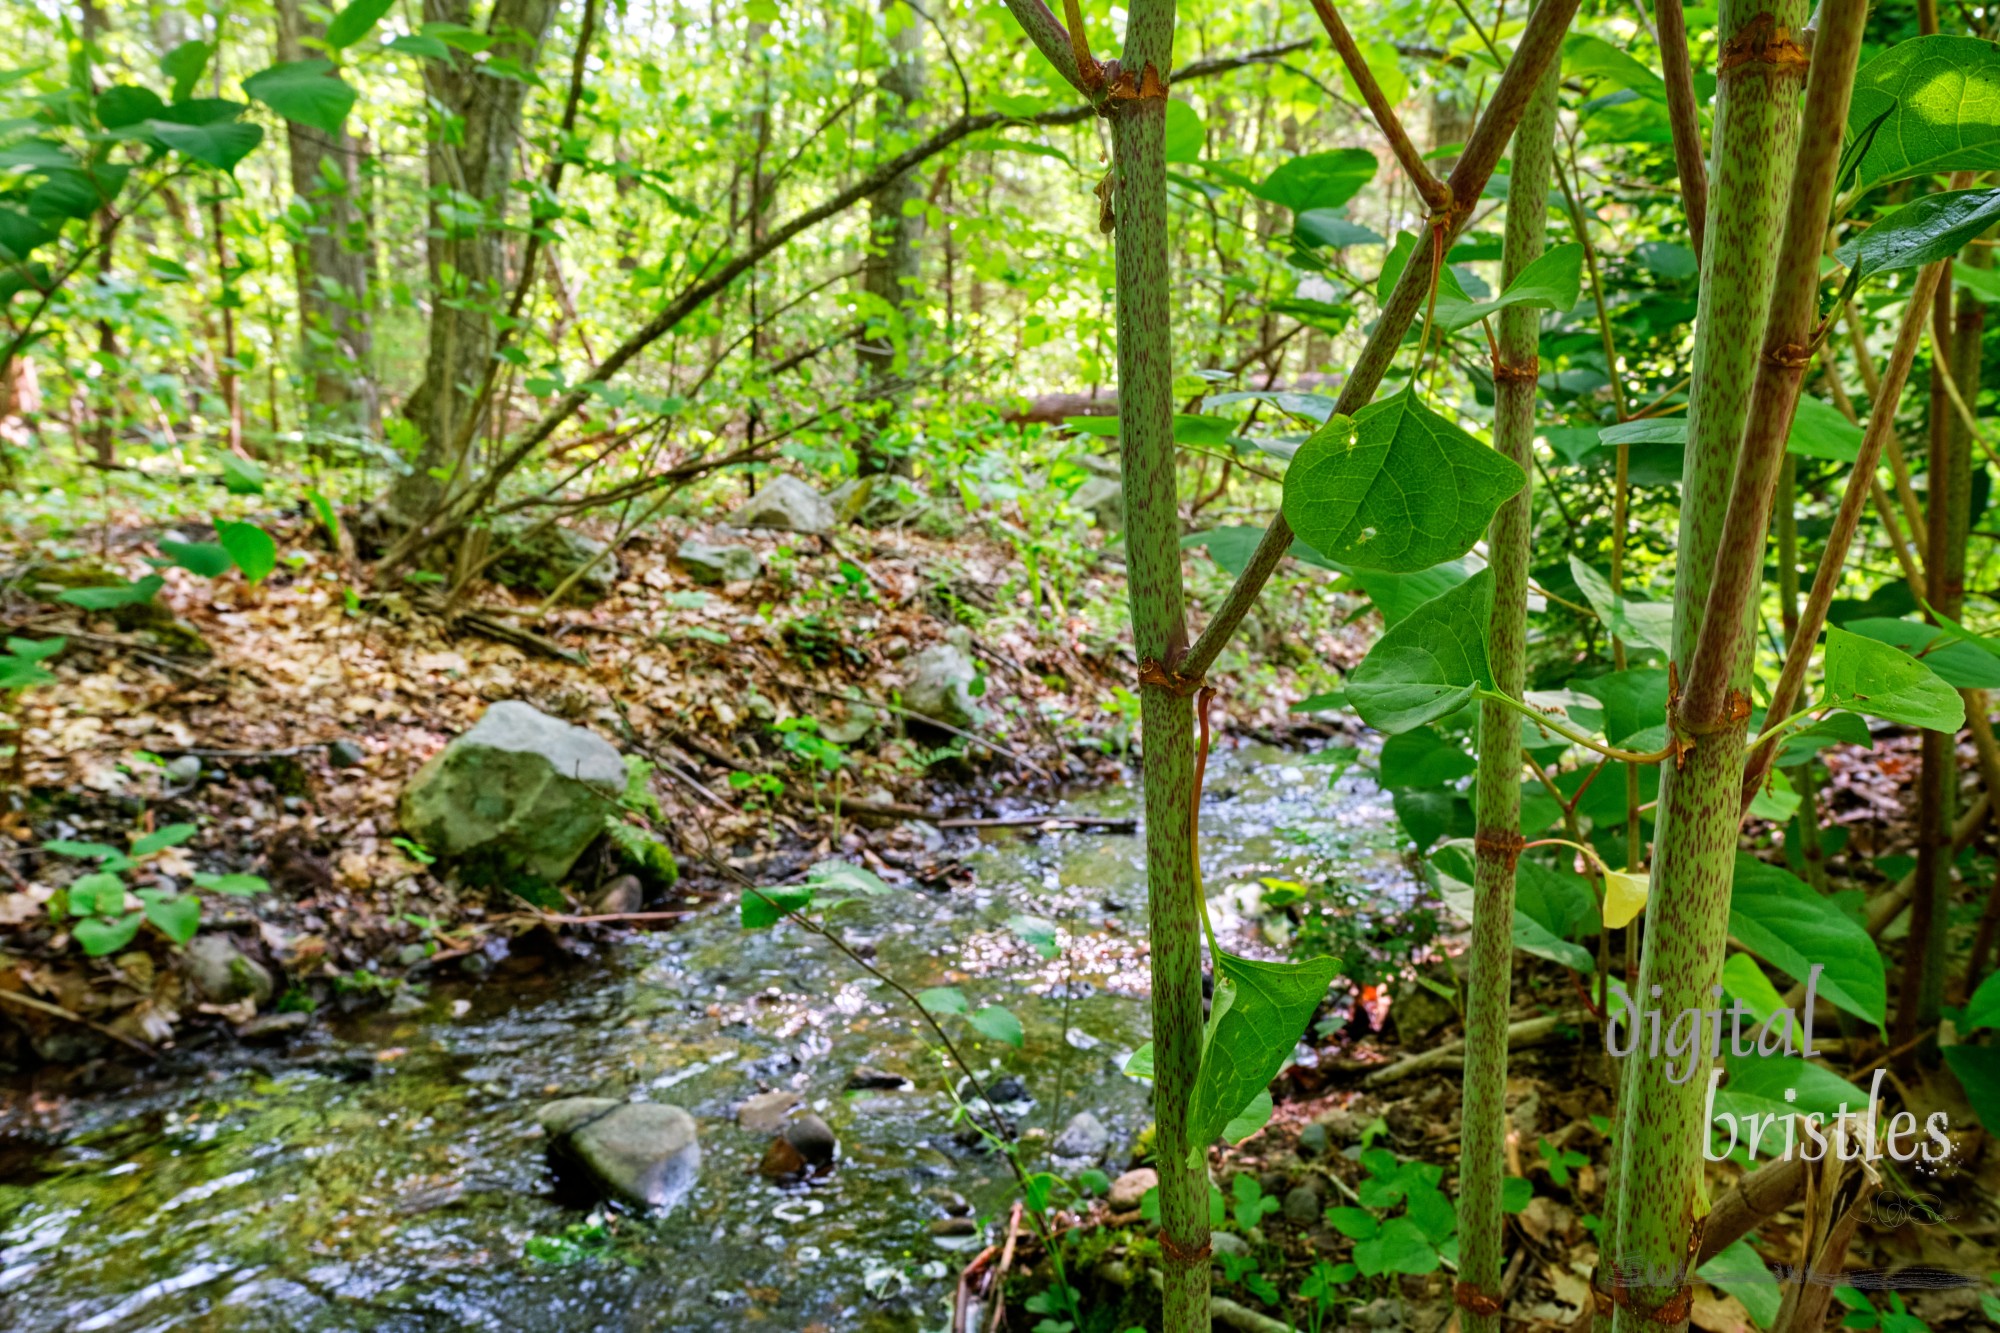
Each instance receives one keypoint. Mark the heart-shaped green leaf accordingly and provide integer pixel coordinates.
(305, 91)
(1429, 663)
(999, 1024)
(1398, 488)
(250, 547)
(177, 915)
(1927, 105)
(102, 935)
(97, 894)
(1873, 678)
(172, 835)
(1319, 180)
(1267, 1008)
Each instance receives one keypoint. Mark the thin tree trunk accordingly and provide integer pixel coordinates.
(329, 260)
(1498, 842)
(473, 159)
(1654, 1216)
(894, 265)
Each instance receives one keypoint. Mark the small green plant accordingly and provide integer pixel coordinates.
(1241, 1270)
(576, 1243)
(96, 902)
(1560, 1162)
(630, 827)
(21, 670)
(1417, 1240)
(1322, 1288)
(414, 850)
(1250, 1204)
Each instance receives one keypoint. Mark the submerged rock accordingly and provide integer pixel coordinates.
(804, 1144)
(940, 686)
(787, 504)
(765, 1113)
(646, 1154)
(714, 565)
(1084, 1139)
(223, 973)
(523, 791)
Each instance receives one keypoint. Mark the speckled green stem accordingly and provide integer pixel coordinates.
(1482, 1163)
(1153, 562)
(1659, 1168)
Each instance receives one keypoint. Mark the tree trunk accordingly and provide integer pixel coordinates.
(1490, 985)
(471, 159)
(329, 239)
(1659, 1145)
(894, 266)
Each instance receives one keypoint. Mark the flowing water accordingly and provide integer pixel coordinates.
(401, 1184)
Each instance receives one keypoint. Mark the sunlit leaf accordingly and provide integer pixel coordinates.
(355, 21)
(1929, 228)
(999, 1024)
(1319, 180)
(1931, 104)
(305, 91)
(1624, 897)
(1879, 681)
(250, 547)
(103, 935)
(178, 916)
(1399, 488)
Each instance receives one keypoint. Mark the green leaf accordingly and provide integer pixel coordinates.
(1184, 132)
(221, 144)
(1432, 1213)
(1038, 933)
(1421, 758)
(95, 851)
(108, 599)
(767, 906)
(1553, 281)
(999, 1024)
(1833, 729)
(459, 37)
(1319, 180)
(177, 915)
(842, 877)
(354, 22)
(1250, 1119)
(1874, 678)
(1397, 595)
(1785, 922)
(1588, 57)
(1929, 104)
(1330, 229)
(1630, 618)
(329, 517)
(1428, 664)
(1745, 981)
(943, 1000)
(1268, 1007)
(1532, 937)
(428, 48)
(1819, 430)
(97, 894)
(1353, 1223)
(1742, 1273)
(173, 835)
(1969, 664)
(1398, 488)
(1139, 1064)
(1400, 1247)
(1933, 227)
(240, 476)
(307, 92)
(204, 558)
(1757, 1086)
(125, 104)
(1983, 1009)
(1978, 1071)
(184, 65)
(1634, 700)
(101, 935)
(250, 547)
(1516, 1193)
(242, 886)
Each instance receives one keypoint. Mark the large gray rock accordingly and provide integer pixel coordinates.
(642, 1153)
(539, 557)
(710, 564)
(223, 973)
(524, 791)
(940, 686)
(1083, 1139)
(788, 504)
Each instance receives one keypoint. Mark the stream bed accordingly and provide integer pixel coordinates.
(400, 1183)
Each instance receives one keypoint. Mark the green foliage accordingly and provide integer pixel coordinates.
(1782, 920)
(95, 903)
(1935, 227)
(1929, 104)
(1864, 676)
(1399, 488)
(1415, 1241)
(1430, 663)
(1258, 1014)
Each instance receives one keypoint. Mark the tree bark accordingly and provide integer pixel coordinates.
(894, 265)
(329, 240)
(471, 163)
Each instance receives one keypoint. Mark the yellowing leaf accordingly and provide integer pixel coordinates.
(1624, 897)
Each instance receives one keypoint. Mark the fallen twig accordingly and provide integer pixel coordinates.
(995, 1288)
(57, 1011)
(1528, 1032)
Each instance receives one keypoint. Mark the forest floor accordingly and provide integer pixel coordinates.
(283, 721)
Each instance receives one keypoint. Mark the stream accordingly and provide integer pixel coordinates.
(408, 1189)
